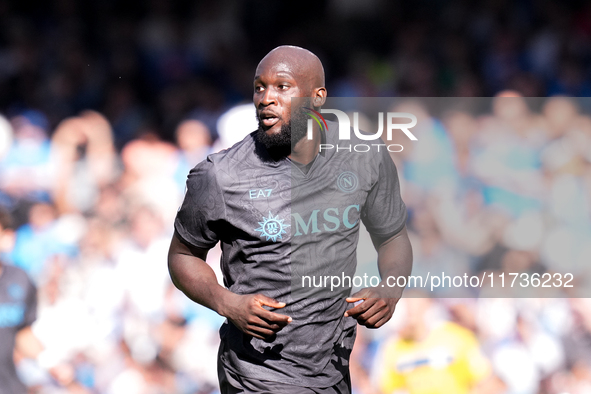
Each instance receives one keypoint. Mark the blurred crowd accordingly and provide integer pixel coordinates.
(92, 230)
(145, 65)
(504, 190)
(107, 105)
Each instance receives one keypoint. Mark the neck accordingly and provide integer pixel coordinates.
(305, 150)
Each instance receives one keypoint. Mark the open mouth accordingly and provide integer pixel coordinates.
(269, 120)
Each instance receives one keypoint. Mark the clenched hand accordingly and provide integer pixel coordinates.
(247, 313)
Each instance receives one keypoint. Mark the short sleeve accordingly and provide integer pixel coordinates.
(384, 212)
(203, 207)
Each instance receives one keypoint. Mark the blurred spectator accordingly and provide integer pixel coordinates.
(430, 252)
(148, 176)
(143, 252)
(95, 94)
(18, 310)
(194, 141)
(577, 349)
(85, 161)
(430, 164)
(432, 356)
(25, 172)
(235, 124)
(506, 158)
(143, 335)
(40, 240)
(21, 344)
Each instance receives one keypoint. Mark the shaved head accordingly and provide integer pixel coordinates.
(305, 66)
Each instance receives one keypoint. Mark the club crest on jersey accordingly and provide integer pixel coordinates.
(272, 228)
(347, 182)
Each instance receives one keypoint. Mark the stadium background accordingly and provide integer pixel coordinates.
(109, 104)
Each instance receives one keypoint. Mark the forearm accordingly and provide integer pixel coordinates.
(27, 344)
(395, 260)
(195, 278)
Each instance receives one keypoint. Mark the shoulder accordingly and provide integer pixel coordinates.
(16, 276)
(240, 150)
(231, 157)
(226, 161)
(14, 272)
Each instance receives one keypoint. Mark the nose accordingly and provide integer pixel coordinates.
(268, 97)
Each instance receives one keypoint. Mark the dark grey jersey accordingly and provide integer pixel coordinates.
(277, 223)
(18, 309)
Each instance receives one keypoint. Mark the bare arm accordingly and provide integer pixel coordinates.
(27, 344)
(394, 259)
(194, 277)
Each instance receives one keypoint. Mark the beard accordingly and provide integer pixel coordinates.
(291, 132)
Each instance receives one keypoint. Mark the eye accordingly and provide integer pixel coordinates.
(258, 88)
(283, 86)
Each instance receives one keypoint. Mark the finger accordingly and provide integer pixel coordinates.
(373, 319)
(360, 295)
(367, 315)
(354, 299)
(275, 326)
(361, 308)
(264, 300)
(256, 322)
(379, 323)
(259, 332)
(379, 307)
(272, 316)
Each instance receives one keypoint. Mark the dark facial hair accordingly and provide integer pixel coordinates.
(280, 145)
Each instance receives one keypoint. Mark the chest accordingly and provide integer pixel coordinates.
(290, 204)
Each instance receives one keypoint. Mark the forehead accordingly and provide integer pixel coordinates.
(272, 66)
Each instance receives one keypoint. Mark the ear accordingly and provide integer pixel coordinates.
(319, 97)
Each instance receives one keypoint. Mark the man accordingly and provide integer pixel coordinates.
(18, 310)
(278, 337)
(428, 357)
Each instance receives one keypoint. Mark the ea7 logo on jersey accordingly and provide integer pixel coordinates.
(259, 193)
(272, 228)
